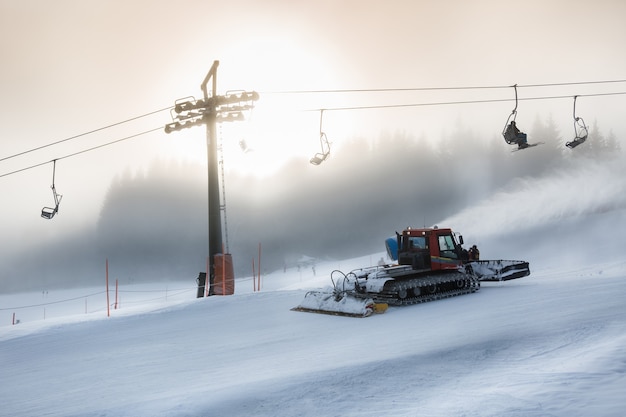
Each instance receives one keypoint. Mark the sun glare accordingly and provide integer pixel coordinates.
(260, 145)
(285, 123)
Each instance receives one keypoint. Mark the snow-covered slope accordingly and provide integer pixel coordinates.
(553, 343)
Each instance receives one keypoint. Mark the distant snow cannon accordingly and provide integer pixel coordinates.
(431, 265)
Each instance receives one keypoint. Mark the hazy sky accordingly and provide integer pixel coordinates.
(70, 67)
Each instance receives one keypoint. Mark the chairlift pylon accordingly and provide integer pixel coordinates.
(320, 157)
(580, 130)
(49, 212)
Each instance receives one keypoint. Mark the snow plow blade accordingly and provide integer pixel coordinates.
(500, 270)
(339, 305)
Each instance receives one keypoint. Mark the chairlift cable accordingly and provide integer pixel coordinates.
(444, 103)
(378, 90)
(81, 152)
(112, 142)
(572, 83)
(325, 109)
(83, 134)
(337, 91)
(484, 87)
(355, 108)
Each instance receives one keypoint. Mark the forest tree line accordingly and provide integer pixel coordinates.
(347, 206)
(153, 224)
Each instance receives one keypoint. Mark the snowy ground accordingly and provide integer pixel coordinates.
(551, 344)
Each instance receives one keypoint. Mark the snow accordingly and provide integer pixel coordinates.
(550, 344)
(327, 301)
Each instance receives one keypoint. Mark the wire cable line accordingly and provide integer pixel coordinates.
(383, 106)
(84, 134)
(484, 87)
(83, 151)
(444, 103)
(52, 302)
(381, 90)
(571, 83)
(168, 293)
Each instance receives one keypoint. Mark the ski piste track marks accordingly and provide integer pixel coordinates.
(431, 288)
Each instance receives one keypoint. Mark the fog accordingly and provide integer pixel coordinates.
(72, 67)
(153, 224)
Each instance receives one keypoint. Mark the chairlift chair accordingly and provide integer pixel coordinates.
(511, 133)
(320, 157)
(580, 130)
(49, 212)
(510, 137)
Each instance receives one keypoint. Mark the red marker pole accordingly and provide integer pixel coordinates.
(107, 284)
(259, 284)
